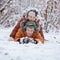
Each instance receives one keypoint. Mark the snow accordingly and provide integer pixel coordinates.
(10, 50)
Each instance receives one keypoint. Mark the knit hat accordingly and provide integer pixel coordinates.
(34, 11)
(30, 23)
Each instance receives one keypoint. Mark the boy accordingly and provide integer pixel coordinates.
(29, 30)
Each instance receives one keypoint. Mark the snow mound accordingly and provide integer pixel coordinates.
(10, 50)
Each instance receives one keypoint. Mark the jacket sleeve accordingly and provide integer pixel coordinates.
(39, 37)
(40, 28)
(18, 35)
(15, 30)
(41, 31)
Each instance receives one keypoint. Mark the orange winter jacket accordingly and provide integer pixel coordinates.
(19, 25)
(36, 35)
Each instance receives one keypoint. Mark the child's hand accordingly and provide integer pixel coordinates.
(16, 39)
(39, 41)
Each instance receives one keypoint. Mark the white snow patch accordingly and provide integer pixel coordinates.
(10, 50)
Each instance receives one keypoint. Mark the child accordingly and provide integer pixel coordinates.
(29, 30)
(31, 16)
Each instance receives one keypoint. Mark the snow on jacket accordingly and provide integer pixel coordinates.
(20, 24)
(21, 33)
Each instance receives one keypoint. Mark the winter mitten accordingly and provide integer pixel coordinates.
(24, 40)
(31, 40)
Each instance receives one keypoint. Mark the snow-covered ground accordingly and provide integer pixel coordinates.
(10, 50)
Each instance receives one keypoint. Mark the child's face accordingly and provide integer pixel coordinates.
(29, 31)
(31, 16)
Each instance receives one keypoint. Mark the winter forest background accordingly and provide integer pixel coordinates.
(49, 12)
